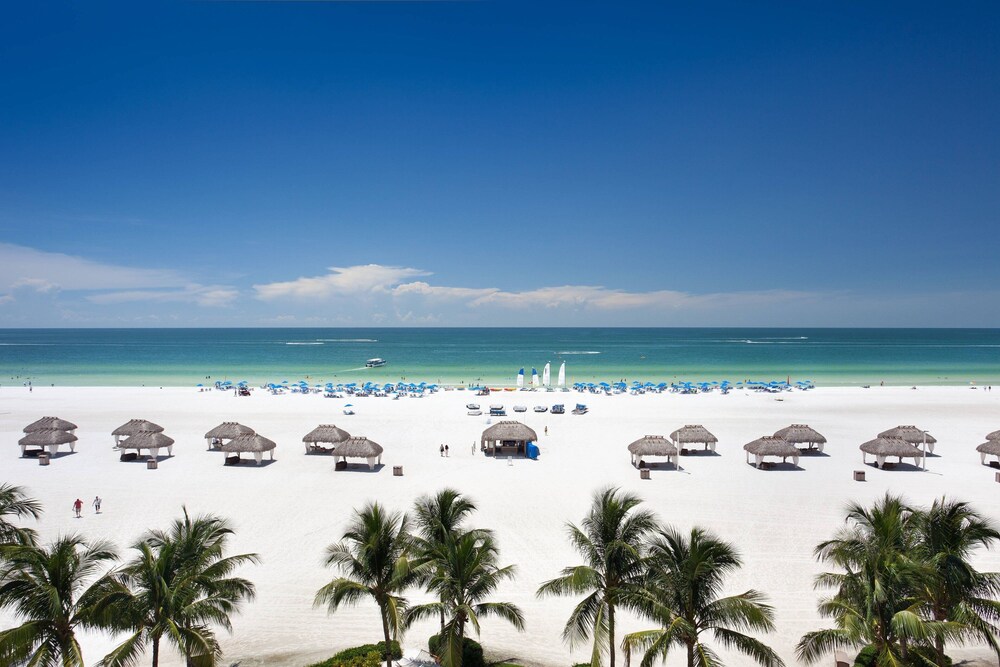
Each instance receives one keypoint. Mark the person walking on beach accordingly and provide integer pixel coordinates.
(446, 452)
(97, 504)
(78, 507)
(441, 451)
(546, 430)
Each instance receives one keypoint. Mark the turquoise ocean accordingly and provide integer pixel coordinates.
(186, 357)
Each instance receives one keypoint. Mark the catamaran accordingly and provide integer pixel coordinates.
(375, 363)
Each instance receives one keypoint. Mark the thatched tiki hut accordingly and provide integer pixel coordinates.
(882, 448)
(995, 435)
(989, 448)
(652, 445)
(359, 447)
(134, 426)
(226, 431)
(327, 434)
(691, 434)
(49, 438)
(771, 445)
(154, 441)
(507, 438)
(802, 434)
(50, 424)
(912, 435)
(254, 444)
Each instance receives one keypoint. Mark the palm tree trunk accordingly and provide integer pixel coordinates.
(690, 648)
(939, 640)
(611, 635)
(385, 633)
(156, 652)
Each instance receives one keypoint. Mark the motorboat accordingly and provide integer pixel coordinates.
(375, 363)
(520, 408)
(541, 408)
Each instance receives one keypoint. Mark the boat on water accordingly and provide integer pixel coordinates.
(375, 363)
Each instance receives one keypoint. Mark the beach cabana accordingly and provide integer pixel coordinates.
(802, 434)
(883, 447)
(134, 426)
(995, 435)
(50, 424)
(154, 441)
(771, 445)
(912, 435)
(506, 438)
(226, 431)
(652, 445)
(49, 438)
(693, 434)
(989, 448)
(326, 434)
(359, 447)
(254, 444)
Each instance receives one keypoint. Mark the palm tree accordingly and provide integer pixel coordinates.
(438, 518)
(176, 588)
(14, 503)
(685, 578)
(464, 574)
(372, 556)
(874, 604)
(947, 535)
(47, 587)
(610, 541)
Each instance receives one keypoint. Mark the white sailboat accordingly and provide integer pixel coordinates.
(562, 375)
(520, 378)
(547, 374)
(534, 378)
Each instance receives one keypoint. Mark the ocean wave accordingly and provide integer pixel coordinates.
(309, 343)
(347, 340)
(579, 352)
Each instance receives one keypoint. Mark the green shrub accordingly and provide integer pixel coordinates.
(472, 652)
(369, 655)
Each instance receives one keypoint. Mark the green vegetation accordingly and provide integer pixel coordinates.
(368, 655)
(904, 586)
(472, 652)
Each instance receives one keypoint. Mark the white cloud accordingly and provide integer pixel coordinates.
(203, 295)
(353, 280)
(22, 267)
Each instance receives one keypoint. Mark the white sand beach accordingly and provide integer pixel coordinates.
(289, 510)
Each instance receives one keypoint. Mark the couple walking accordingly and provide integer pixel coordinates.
(78, 506)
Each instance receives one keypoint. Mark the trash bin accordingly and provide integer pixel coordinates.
(644, 473)
(859, 475)
(43, 459)
(397, 471)
(152, 464)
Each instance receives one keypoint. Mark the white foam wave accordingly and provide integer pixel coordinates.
(347, 340)
(317, 343)
(579, 352)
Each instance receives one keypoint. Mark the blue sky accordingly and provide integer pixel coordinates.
(480, 163)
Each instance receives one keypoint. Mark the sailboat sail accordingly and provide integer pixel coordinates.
(520, 378)
(547, 374)
(534, 378)
(562, 374)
